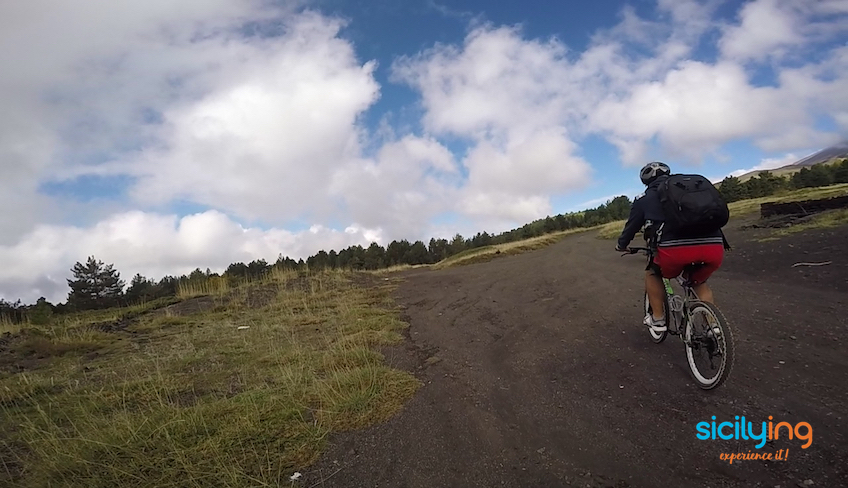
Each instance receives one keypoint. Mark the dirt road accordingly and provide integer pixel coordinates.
(538, 373)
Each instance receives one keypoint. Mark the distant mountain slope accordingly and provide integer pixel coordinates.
(823, 156)
(828, 154)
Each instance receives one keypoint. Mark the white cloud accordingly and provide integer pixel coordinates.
(496, 83)
(515, 182)
(514, 208)
(87, 71)
(410, 181)
(541, 164)
(765, 28)
(155, 246)
(509, 97)
(831, 6)
(266, 146)
(265, 137)
(696, 108)
(778, 28)
(79, 78)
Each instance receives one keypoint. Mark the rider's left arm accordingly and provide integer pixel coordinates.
(634, 222)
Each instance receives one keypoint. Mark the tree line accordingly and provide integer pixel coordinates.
(766, 183)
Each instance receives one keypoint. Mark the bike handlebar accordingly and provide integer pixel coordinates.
(634, 250)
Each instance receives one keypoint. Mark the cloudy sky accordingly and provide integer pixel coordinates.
(164, 136)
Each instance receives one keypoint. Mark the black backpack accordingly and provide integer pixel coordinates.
(692, 204)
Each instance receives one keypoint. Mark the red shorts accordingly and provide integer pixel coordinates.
(672, 260)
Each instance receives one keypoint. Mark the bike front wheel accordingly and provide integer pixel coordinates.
(709, 345)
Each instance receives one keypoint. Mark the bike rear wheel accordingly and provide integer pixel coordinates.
(710, 349)
(658, 337)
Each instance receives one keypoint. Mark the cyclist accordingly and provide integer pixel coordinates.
(673, 250)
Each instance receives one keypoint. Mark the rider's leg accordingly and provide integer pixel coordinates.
(656, 293)
(704, 292)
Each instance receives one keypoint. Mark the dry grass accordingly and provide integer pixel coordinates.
(211, 286)
(487, 253)
(611, 230)
(7, 325)
(398, 267)
(823, 220)
(829, 218)
(231, 395)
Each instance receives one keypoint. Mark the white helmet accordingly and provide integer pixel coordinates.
(651, 171)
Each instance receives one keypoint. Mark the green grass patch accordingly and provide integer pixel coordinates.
(239, 389)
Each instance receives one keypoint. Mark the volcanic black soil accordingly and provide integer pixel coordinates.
(537, 372)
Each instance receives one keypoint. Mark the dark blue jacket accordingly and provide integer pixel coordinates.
(647, 209)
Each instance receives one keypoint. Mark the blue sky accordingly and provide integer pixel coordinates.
(162, 137)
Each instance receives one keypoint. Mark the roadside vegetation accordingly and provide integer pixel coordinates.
(238, 387)
(752, 205)
(487, 253)
(821, 220)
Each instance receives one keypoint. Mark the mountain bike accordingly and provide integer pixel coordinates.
(701, 326)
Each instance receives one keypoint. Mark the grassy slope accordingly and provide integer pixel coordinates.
(235, 389)
(487, 253)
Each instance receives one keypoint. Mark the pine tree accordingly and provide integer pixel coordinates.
(140, 289)
(95, 286)
(619, 208)
(457, 245)
(731, 189)
(549, 225)
(417, 254)
(840, 173)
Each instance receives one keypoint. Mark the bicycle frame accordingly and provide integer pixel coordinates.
(687, 296)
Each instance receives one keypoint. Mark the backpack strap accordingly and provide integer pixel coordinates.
(653, 234)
